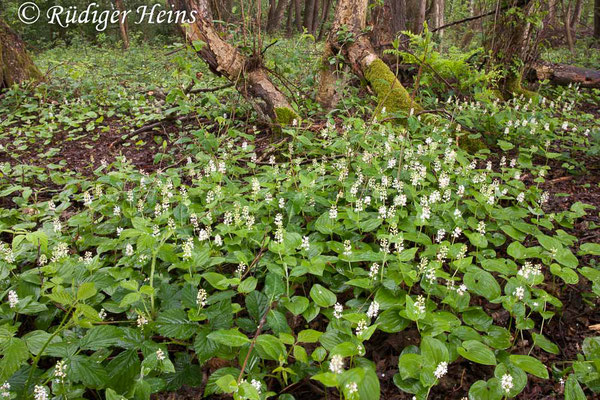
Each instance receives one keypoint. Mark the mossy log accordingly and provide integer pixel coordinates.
(350, 15)
(248, 74)
(15, 64)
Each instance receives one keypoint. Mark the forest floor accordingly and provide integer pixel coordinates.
(580, 319)
(45, 144)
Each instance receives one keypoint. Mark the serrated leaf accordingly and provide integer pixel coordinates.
(174, 324)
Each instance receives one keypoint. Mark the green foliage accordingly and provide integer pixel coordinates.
(267, 269)
(455, 67)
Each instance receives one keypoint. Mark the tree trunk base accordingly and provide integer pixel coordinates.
(512, 87)
(563, 74)
(15, 64)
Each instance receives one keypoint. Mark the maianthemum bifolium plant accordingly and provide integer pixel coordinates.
(264, 269)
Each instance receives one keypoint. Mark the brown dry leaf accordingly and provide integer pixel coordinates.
(595, 327)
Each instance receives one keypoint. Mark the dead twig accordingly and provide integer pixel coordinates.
(208, 90)
(256, 334)
(151, 126)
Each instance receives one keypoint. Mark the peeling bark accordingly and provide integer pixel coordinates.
(248, 74)
(362, 58)
(15, 64)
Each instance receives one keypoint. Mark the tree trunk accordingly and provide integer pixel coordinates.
(361, 57)
(388, 20)
(221, 9)
(597, 19)
(123, 24)
(309, 8)
(290, 18)
(576, 17)
(551, 12)
(562, 74)
(568, 31)
(248, 74)
(298, 12)
(416, 10)
(315, 20)
(437, 16)
(276, 15)
(473, 26)
(324, 17)
(15, 64)
(513, 45)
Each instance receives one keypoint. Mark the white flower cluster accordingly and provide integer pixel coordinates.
(529, 270)
(441, 370)
(201, 298)
(336, 365)
(13, 299)
(5, 390)
(373, 310)
(60, 370)
(40, 392)
(506, 382)
(7, 253)
(337, 310)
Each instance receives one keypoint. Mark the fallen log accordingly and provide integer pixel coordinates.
(564, 74)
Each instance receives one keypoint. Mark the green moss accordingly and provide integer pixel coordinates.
(513, 87)
(15, 64)
(285, 115)
(471, 146)
(390, 92)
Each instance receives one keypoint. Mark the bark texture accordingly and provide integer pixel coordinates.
(276, 10)
(309, 14)
(15, 64)
(388, 20)
(123, 29)
(416, 10)
(362, 58)
(513, 45)
(248, 74)
(563, 74)
(597, 19)
(437, 15)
